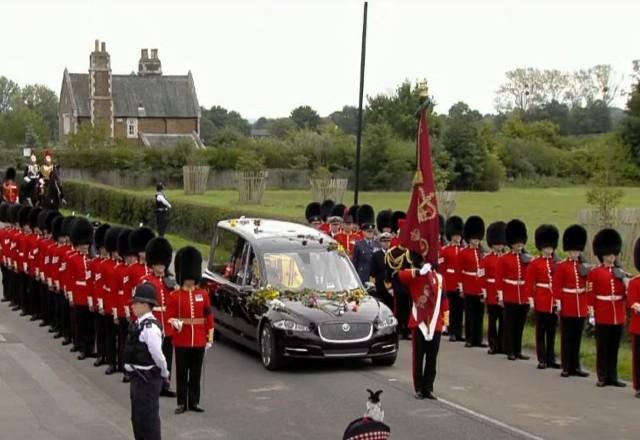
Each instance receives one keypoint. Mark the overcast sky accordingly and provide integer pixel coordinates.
(263, 58)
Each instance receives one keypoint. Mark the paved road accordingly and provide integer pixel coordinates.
(46, 394)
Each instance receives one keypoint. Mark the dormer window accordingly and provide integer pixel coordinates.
(132, 128)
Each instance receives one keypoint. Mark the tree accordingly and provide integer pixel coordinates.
(219, 118)
(31, 138)
(630, 132)
(461, 111)
(523, 89)
(90, 136)
(469, 155)
(42, 100)
(13, 125)
(607, 81)
(305, 117)
(8, 92)
(593, 118)
(280, 127)
(346, 119)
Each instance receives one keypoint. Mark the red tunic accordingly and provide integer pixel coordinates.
(570, 287)
(422, 289)
(79, 279)
(63, 269)
(606, 294)
(539, 283)
(96, 294)
(348, 241)
(633, 298)
(44, 258)
(510, 279)
(22, 249)
(160, 311)
(471, 271)
(54, 267)
(449, 266)
(110, 283)
(123, 301)
(194, 309)
(490, 263)
(10, 191)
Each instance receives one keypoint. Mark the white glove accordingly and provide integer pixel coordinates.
(101, 304)
(592, 320)
(90, 303)
(500, 298)
(390, 291)
(426, 268)
(127, 312)
(484, 293)
(626, 280)
(208, 346)
(531, 303)
(177, 324)
(460, 287)
(558, 305)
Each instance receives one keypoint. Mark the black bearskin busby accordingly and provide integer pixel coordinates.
(607, 242)
(496, 234)
(474, 228)
(454, 226)
(33, 217)
(10, 174)
(366, 217)
(338, 211)
(383, 220)
(48, 221)
(111, 239)
(81, 232)
(546, 236)
(516, 232)
(351, 214)
(99, 236)
(313, 212)
(159, 251)
(395, 220)
(326, 208)
(56, 227)
(124, 243)
(188, 265)
(574, 238)
(66, 226)
(23, 215)
(42, 219)
(139, 239)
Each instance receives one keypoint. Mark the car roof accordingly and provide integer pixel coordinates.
(272, 234)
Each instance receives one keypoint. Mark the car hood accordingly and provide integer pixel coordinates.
(326, 311)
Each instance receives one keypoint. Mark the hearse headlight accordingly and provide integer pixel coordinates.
(287, 324)
(386, 322)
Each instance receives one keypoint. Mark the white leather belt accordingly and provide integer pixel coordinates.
(471, 274)
(576, 291)
(543, 285)
(514, 282)
(451, 271)
(81, 283)
(490, 280)
(609, 297)
(159, 309)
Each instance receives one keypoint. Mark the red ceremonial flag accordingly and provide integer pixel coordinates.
(421, 229)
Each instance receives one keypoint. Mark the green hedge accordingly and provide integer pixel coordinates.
(191, 220)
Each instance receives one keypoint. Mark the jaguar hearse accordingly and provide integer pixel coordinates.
(289, 291)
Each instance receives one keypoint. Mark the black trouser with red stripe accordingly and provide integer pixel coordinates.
(99, 325)
(425, 358)
(546, 324)
(515, 317)
(456, 313)
(402, 306)
(474, 319)
(494, 329)
(111, 340)
(5, 283)
(123, 330)
(85, 335)
(635, 361)
(188, 372)
(571, 329)
(607, 345)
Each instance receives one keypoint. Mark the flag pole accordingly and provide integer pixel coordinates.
(359, 133)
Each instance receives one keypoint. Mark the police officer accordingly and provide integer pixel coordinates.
(365, 248)
(146, 364)
(162, 210)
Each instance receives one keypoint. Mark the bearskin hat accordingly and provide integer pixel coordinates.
(496, 233)
(10, 174)
(99, 236)
(56, 227)
(111, 239)
(326, 208)
(48, 221)
(636, 255)
(33, 217)
(395, 219)
(574, 238)
(13, 212)
(474, 228)
(42, 219)
(313, 212)
(546, 236)
(365, 217)
(23, 215)
(607, 242)
(351, 214)
(3, 212)
(454, 226)
(66, 226)
(159, 251)
(81, 232)
(383, 220)
(188, 265)
(124, 243)
(516, 232)
(338, 210)
(139, 239)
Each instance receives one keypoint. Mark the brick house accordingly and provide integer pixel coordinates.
(148, 108)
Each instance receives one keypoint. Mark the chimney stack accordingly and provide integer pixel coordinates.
(100, 93)
(144, 54)
(149, 66)
(154, 54)
(103, 47)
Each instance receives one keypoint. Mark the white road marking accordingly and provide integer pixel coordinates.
(278, 387)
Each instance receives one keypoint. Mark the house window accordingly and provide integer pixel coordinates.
(132, 128)
(66, 123)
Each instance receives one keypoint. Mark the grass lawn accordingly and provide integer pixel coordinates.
(535, 206)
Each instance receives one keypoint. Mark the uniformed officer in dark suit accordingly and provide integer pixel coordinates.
(364, 248)
(147, 365)
(379, 270)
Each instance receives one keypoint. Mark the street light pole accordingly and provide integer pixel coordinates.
(359, 133)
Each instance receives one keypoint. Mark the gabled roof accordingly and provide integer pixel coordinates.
(161, 96)
(162, 140)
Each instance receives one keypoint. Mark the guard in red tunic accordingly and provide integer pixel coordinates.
(396, 259)
(349, 236)
(53, 280)
(81, 284)
(511, 289)
(31, 255)
(128, 257)
(325, 212)
(47, 244)
(69, 311)
(496, 240)
(158, 255)
(138, 269)
(10, 192)
(607, 299)
(428, 318)
(335, 221)
(569, 284)
(23, 249)
(4, 229)
(96, 295)
(539, 286)
(110, 285)
(397, 218)
(633, 301)
(449, 267)
(472, 284)
(313, 214)
(190, 314)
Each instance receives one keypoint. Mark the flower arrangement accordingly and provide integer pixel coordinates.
(272, 297)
